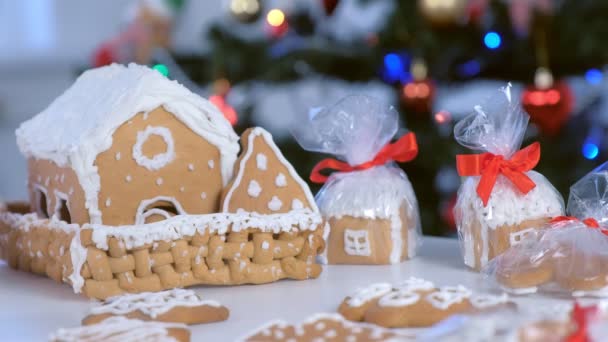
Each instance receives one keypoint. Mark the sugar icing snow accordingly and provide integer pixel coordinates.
(77, 126)
(275, 204)
(254, 189)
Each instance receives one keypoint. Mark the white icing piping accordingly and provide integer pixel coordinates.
(361, 296)
(160, 160)
(151, 303)
(448, 296)
(352, 245)
(118, 329)
(376, 332)
(396, 229)
(58, 197)
(323, 257)
(401, 297)
(140, 217)
(255, 132)
(483, 301)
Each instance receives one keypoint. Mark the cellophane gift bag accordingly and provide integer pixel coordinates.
(368, 202)
(570, 254)
(502, 200)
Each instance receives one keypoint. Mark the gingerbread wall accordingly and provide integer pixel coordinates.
(193, 178)
(378, 234)
(263, 179)
(55, 181)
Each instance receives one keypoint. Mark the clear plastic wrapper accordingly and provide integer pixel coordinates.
(501, 201)
(569, 322)
(570, 254)
(369, 203)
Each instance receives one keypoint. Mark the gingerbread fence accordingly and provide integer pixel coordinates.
(214, 249)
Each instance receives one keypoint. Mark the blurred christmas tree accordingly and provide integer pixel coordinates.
(433, 59)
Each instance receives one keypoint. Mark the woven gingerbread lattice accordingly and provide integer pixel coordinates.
(249, 256)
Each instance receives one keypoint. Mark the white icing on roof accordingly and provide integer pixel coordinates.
(507, 205)
(80, 123)
(375, 193)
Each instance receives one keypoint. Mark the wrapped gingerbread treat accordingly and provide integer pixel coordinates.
(369, 202)
(502, 200)
(570, 254)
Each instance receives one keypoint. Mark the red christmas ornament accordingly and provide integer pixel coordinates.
(277, 24)
(419, 95)
(225, 108)
(447, 212)
(104, 55)
(330, 6)
(549, 104)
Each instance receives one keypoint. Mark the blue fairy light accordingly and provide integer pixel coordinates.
(395, 67)
(590, 151)
(594, 76)
(492, 40)
(470, 68)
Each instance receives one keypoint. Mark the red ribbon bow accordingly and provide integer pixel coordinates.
(489, 166)
(581, 316)
(403, 150)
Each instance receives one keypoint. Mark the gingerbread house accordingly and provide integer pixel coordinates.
(126, 173)
(373, 215)
(126, 145)
(509, 218)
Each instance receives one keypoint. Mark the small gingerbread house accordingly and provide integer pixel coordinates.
(126, 145)
(509, 218)
(373, 215)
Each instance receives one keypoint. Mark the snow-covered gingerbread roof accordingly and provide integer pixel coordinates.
(507, 205)
(80, 123)
(376, 193)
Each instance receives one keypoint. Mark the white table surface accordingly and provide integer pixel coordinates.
(34, 306)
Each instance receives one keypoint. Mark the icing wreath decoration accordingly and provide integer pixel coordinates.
(403, 150)
(489, 166)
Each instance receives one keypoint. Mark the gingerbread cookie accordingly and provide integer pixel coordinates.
(124, 330)
(518, 272)
(581, 271)
(177, 306)
(414, 303)
(323, 327)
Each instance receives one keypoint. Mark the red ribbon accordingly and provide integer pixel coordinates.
(403, 150)
(489, 166)
(580, 316)
(589, 222)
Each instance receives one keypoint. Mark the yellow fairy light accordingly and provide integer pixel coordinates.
(275, 17)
